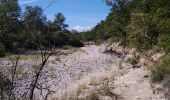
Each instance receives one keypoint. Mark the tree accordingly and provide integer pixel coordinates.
(9, 23)
(108, 2)
(119, 19)
(46, 53)
(34, 22)
(59, 22)
(149, 24)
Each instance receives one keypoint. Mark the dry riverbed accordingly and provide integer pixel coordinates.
(89, 74)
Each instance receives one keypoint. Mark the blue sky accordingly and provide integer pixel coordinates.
(80, 14)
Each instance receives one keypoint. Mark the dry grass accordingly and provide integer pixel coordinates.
(80, 89)
(96, 89)
(23, 57)
(72, 49)
(53, 61)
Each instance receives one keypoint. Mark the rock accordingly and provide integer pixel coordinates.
(146, 76)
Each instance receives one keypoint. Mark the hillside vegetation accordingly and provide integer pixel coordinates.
(140, 24)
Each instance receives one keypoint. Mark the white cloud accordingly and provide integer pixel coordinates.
(23, 2)
(83, 19)
(82, 28)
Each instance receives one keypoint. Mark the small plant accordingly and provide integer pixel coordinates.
(162, 69)
(94, 81)
(80, 89)
(157, 76)
(19, 71)
(104, 81)
(134, 61)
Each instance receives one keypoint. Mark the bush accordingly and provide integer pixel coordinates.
(62, 38)
(2, 50)
(165, 42)
(162, 69)
(164, 65)
(134, 61)
(65, 47)
(75, 42)
(157, 76)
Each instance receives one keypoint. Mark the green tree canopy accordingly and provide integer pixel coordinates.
(9, 22)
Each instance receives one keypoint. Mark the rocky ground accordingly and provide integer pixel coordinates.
(129, 83)
(88, 65)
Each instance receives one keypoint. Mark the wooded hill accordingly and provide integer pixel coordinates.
(140, 24)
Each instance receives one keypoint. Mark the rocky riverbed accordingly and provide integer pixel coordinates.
(69, 68)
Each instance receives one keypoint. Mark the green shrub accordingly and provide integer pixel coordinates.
(157, 76)
(162, 69)
(75, 42)
(165, 42)
(164, 65)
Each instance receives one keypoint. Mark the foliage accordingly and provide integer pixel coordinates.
(88, 36)
(164, 65)
(157, 76)
(59, 21)
(9, 23)
(115, 24)
(148, 26)
(162, 69)
(134, 60)
(32, 29)
(141, 24)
